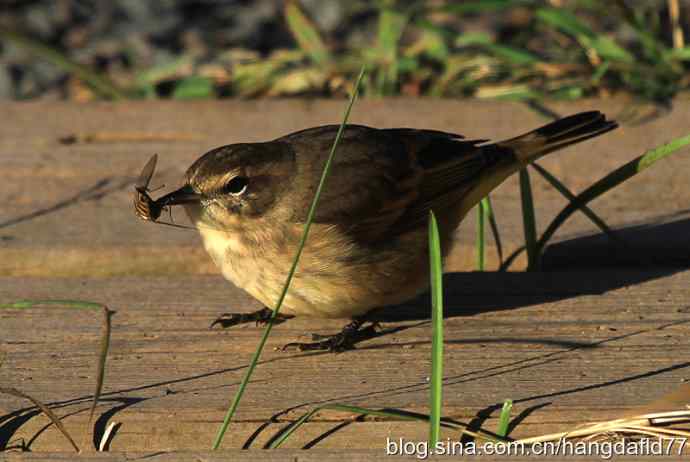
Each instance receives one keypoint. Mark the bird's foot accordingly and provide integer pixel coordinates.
(342, 341)
(260, 317)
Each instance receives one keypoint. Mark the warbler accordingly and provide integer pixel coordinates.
(367, 247)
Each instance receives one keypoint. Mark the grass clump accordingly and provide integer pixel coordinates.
(520, 50)
(101, 363)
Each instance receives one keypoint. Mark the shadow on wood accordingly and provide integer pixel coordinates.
(662, 242)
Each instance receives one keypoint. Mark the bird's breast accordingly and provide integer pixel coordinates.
(335, 278)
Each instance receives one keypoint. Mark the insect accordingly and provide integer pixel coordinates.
(145, 207)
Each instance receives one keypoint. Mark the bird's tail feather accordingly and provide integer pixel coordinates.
(559, 134)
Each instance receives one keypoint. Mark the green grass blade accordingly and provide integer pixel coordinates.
(168, 70)
(504, 419)
(482, 6)
(310, 217)
(194, 87)
(100, 84)
(528, 219)
(433, 42)
(653, 47)
(513, 55)
(290, 429)
(567, 22)
(391, 24)
(681, 54)
(436, 274)
(283, 435)
(305, 33)
(22, 304)
(509, 92)
(609, 182)
(480, 243)
(489, 212)
(560, 187)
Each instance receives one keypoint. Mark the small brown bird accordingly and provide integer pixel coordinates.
(368, 244)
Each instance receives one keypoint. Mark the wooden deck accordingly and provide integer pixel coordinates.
(600, 332)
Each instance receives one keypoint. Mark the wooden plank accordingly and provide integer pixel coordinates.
(313, 455)
(566, 347)
(67, 208)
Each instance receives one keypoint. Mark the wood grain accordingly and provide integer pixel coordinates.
(67, 208)
(566, 347)
(602, 331)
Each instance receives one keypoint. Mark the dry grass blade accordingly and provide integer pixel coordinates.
(674, 16)
(103, 351)
(102, 357)
(50, 414)
(677, 399)
(645, 423)
(642, 425)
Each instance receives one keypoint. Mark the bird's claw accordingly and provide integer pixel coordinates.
(227, 320)
(342, 341)
(334, 343)
(260, 318)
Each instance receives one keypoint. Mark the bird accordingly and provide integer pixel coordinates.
(367, 247)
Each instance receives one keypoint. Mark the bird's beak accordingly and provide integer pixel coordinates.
(184, 195)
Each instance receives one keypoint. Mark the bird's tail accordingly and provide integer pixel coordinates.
(559, 134)
(506, 157)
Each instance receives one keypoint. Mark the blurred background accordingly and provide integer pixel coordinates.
(82, 50)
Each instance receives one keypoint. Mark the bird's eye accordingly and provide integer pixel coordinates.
(236, 186)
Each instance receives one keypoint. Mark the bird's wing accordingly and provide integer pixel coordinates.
(384, 181)
(449, 168)
(371, 180)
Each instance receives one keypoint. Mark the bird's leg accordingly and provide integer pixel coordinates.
(260, 317)
(343, 340)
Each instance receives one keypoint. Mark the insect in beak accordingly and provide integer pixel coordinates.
(145, 207)
(150, 210)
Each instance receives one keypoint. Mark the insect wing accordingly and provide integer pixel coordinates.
(146, 174)
(144, 207)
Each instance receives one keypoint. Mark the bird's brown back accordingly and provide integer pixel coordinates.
(384, 181)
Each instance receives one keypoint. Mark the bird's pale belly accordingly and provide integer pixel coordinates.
(334, 279)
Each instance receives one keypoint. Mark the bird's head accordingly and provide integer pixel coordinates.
(232, 185)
